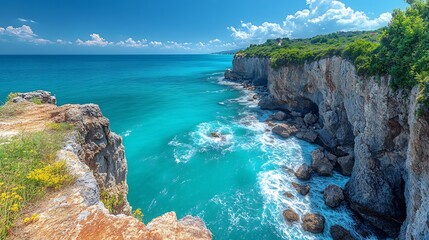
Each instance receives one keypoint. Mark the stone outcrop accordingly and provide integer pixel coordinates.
(254, 69)
(367, 116)
(301, 189)
(39, 96)
(95, 158)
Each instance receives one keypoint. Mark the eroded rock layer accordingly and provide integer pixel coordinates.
(363, 119)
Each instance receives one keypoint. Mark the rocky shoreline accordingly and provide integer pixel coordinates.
(365, 129)
(306, 127)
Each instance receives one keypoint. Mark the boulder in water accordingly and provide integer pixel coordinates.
(314, 223)
(304, 172)
(215, 135)
(284, 130)
(333, 196)
(301, 189)
(340, 233)
(290, 215)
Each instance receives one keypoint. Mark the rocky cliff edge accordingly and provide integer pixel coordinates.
(95, 158)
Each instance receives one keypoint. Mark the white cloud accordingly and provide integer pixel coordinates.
(155, 43)
(96, 40)
(133, 43)
(320, 17)
(249, 31)
(177, 45)
(26, 20)
(63, 42)
(23, 34)
(216, 40)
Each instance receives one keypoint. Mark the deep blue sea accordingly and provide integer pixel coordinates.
(166, 107)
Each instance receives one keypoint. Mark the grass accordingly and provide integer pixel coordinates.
(9, 110)
(28, 171)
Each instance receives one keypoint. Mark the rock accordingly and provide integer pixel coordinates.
(323, 167)
(317, 155)
(39, 97)
(296, 114)
(299, 122)
(284, 130)
(267, 102)
(333, 196)
(228, 74)
(310, 119)
(303, 190)
(321, 164)
(331, 157)
(288, 195)
(215, 135)
(314, 223)
(340, 233)
(255, 97)
(346, 164)
(309, 136)
(304, 172)
(326, 139)
(290, 216)
(279, 116)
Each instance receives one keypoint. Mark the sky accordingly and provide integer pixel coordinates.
(176, 26)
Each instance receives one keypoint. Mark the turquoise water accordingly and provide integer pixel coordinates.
(165, 108)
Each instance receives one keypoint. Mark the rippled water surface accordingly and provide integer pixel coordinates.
(166, 108)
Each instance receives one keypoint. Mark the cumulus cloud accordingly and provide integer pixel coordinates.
(133, 43)
(23, 34)
(321, 16)
(155, 43)
(249, 31)
(26, 20)
(95, 40)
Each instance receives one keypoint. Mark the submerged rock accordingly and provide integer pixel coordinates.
(301, 189)
(314, 223)
(288, 195)
(290, 216)
(333, 196)
(340, 233)
(304, 172)
(215, 135)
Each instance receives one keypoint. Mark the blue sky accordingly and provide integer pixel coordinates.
(172, 26)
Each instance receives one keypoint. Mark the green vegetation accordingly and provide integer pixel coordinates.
(400, 50)
(11, 110)
(28, 171)
(112, 202)
(286, 51)
(138, 214)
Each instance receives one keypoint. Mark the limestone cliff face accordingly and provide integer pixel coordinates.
(95, 157)
(255, 69)
(364, 118)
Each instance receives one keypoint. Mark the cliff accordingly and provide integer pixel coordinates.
(364, 119)
(95, 158)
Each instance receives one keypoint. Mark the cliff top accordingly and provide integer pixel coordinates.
(399, 50)
(52, 182)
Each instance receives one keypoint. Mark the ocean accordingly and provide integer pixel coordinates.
(166, 107)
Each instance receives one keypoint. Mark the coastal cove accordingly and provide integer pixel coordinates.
(166, 108)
